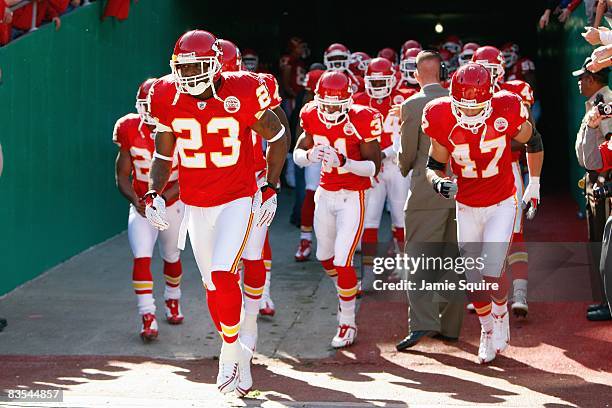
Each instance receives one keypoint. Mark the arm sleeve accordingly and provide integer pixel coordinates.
(409, 137)
(579, 146)
(364, 168)
(593, 153)
(573, 5)
(119, 137)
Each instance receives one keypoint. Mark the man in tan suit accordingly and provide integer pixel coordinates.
(430, 223)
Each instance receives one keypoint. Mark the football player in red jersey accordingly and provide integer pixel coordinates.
(389, 184)
(493, 60)
(134, 137)
(250, 59)
(467, 52)
(389, 54)
(312, 176)
(256, 274)
(408, 85)
(337, 57)
(345, 139)
(198, 102)
(359, 63)
(475, 127)
(292, 71)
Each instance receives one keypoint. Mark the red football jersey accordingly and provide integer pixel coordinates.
(606, 155)
(363, 125)
(298, 72)
(482, 161)
(259, 158)
(407, 90)
(213, 136)
(524, 91)
(391, 126)
(139, 141)
(520, 69)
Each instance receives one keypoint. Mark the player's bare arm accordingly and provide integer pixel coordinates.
(123, 169)
(270, 127)
(161, 166)
(370, 151)
(436, 170)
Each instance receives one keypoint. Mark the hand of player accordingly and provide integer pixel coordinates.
(155, 210)
(140, 206)
(333, 158)
(592, 35)
(531, 197)
(315, 155)
(445, 187)
(267, 209)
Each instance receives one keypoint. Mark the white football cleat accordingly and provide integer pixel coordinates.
(303, 251)
(345, 336)
(173, 312)
(501, 331)
(266, 307)
(149, 328)
(486, 350)
(227, 379)
(470, 307)
(519, 304)
(245, 380)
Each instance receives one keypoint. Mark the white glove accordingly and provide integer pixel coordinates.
(531, 197)
(267, 208)
(156, 210)
(315, 155)
(332, 158)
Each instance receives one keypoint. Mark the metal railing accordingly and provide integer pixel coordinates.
(35, 10)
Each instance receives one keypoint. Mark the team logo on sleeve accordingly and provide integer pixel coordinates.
(397, 99)
(231, 104)
(500, 124)
(201, 105)
(348, 128)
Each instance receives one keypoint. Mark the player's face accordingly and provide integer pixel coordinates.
(193, 69)
(331, 108)
(471, 111)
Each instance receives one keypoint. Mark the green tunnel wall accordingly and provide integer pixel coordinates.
(61, 94)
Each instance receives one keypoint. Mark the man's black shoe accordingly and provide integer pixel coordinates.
(413, 338)
(442, 337)
(599, 315)
(596, 306)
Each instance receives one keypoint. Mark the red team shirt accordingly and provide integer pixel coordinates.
(482, 161)
(524, 91)
(606, 156)
(520, 69)
(139, 141)
(260, 163)
(363, 125)
(407, 90)
(214, 137)
(298, 71)
(390, 125)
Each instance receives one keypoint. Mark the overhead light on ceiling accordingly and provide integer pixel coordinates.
(439, 28)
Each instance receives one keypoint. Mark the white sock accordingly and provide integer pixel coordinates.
(249, 323)
(146, 303)
(171, 292)
(486, 322)
(520, 284)
(307, 235)
(230, 351)
(499, 310)
(347, 312)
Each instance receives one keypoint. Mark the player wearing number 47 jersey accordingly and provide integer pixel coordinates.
(133, 135)
(476, 128)
(345, 139)
(209, 116)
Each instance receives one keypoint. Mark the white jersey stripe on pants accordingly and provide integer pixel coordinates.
(390, 184)
(142, 235)
(338, 224)
(218, 235)
(520, 190)
(486, 230)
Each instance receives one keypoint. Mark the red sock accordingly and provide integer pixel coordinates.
(173, 273)
(254, 278)
(369, 239)
(518, 257)
(499, 296)
(347, 283)
(482, 308)
(370, 235)
(330, 269)
(229, 303)
(211, 300)
(308, 208)
(142, 279)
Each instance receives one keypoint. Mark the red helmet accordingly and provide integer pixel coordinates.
(379, 78)
(333, 97)
(232, 60)
(142, 101)
(410, 44)
(201, 48)
(453, 44)
(312, 78)
(471, 88)
(408, 65)
(510, 51)
(337, 57)
(359, 62)
(250, 60)
(466, 53)
(388, 53)
(492, 59)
